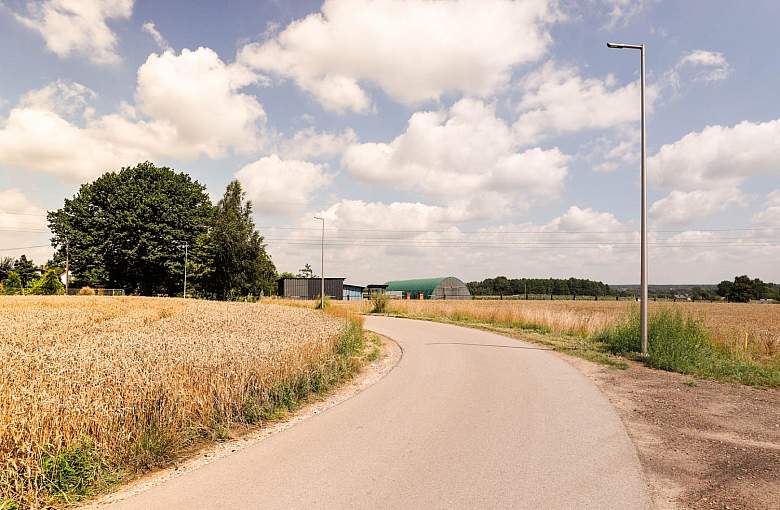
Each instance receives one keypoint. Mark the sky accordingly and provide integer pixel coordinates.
(470, 138)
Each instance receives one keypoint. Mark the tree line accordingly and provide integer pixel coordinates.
(131, 230)
(503, 286)
(22, 276)
(744, 289)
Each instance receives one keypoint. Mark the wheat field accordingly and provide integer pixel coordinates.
(135, 380)
(748, 331)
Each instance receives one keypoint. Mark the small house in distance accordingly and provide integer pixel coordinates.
(309, 288)
(430, 288)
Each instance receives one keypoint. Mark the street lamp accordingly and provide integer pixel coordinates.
(186, 245)
(322, 263)
(643, 249)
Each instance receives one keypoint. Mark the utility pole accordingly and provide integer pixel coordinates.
(322, 263)
(186, 245)
(67, 267)
(643, 250)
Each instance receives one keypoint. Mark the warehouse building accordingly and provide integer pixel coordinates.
(353, 292)
(430, 288)
(309, 288)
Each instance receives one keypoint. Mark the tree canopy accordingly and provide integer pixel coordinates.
(126, 229)
(230, 257)
(743, 289)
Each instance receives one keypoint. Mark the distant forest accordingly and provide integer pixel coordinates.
(503, 286)
(742, 289)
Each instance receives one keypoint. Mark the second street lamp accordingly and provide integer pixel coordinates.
(322, 262)
(643, 256)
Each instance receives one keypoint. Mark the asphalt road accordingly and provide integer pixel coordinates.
(468, 419)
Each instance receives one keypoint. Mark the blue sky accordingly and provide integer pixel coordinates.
(471, 138)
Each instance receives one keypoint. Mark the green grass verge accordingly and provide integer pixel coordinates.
(678, 342)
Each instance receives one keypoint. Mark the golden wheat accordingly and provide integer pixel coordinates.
(139, 377)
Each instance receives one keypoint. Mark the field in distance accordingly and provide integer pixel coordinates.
(95, 389)
(748, 332)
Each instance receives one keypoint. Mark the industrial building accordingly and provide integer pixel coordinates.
(309, 288)
(353, 292)
(430, 288)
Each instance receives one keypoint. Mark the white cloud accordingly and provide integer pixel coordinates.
(282, 185)
(188, 105)
(718, 156)
(198, 95)
(699, 65)
(680, 207)
(311, 144)
(413, 50)
(465, 152)
(151, 29)
(80, 27)
(620, 12)
(769, 217)
(22, 224)
(773, 198)
(608, 153)
(558, 100)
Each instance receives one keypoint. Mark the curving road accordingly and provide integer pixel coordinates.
(468, 419)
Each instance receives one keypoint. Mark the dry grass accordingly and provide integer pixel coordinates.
(96, 385)
(747, 331)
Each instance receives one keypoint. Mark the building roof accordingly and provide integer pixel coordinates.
(305, 278)
(426, 285)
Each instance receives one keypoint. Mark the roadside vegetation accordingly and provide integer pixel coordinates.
(723, 341)
(95, 391)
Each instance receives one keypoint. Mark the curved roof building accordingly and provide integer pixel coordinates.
(447, 287)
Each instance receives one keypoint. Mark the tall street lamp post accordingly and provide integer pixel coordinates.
(322, 263)
(643, 250)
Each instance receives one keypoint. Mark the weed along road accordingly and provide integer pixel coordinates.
(468, 419)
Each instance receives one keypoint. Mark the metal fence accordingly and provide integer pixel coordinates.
(89, 291)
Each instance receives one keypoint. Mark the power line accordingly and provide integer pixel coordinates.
(734, 229)
(26, 247)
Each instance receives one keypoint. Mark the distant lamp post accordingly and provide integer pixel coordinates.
(186, 246)
(322, 263)
(643, 257)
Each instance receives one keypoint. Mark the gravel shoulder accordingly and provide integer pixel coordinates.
(702, 444)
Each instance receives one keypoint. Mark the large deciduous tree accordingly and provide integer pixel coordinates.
(127, 229)
(230, 260)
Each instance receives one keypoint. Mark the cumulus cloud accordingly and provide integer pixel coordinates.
(680, 207)
(198, 95)
(187, 105)
(463, 152)
(413, 50)
(80, 27)
(282, 186)
(699, 65)
(718, 157)
(22, 225)
(311, 144)
(558, 100)
(704, 170)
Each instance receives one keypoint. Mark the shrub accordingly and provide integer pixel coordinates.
(379, 300)
(86, 291)
(49, 284)
(322, 304)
